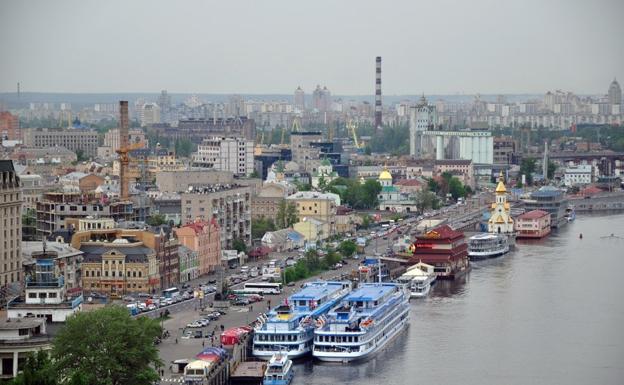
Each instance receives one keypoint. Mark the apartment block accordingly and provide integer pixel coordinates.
(235, 155)
(72, 139)
(10, 225)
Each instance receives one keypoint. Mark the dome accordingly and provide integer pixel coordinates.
(501, 188)
(385, 175)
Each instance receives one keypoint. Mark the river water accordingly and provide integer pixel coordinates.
(551, 312)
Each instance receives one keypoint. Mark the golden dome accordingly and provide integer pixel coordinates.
(385, 175)
(500, 189)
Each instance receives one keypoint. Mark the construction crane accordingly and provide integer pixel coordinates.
(124, 150)
(296, 126)
(352, 127)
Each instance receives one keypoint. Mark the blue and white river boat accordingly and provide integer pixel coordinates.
(279, 371)
(289, 327)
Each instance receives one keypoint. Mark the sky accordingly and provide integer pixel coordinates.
(267, 46)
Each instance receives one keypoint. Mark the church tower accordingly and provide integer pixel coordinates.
(500, 219)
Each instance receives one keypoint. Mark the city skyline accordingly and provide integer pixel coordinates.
(270, 48)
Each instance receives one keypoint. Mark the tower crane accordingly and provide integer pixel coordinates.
(296, 126)
(352, 127)
(124, 150)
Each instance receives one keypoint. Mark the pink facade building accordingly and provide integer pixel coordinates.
(204, 238)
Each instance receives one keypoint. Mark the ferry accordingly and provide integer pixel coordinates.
(279, 371)
(487, 245)
(363, 323)
(570, 214)
(289, 327)
(418, 279)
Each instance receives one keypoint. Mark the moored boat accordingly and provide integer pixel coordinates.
(418, 279)
(279, 371)
(486, 245)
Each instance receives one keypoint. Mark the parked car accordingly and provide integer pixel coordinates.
(241, 302)
(212, 281)
(291, 283)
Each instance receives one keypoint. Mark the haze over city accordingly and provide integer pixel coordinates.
(432, 47)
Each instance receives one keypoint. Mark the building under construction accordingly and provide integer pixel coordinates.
(197, 130)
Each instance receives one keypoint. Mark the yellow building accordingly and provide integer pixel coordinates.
(500, 219)
(312, 229)
(319, 206)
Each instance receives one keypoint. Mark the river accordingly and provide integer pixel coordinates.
(551, 312)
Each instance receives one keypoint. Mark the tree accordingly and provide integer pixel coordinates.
(552, 167)
(38, 370)
(433, 185)
(254, 174)
(261, 226)
(456, 188)
(107, 347)
(239, 245)
(366, 221)
(287, 214)
(156, 220)
(527, 167)
(425, 200)
(347, 248)
(80, 155)
(183, 147)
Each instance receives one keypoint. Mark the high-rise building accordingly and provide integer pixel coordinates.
(9, 126)
(422, 118)
(299, 100)
(150, 115)
(10, 225)
(378, 110)
(321, 99)
(615, 93)
(226, 154)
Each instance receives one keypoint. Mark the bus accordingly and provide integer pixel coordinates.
(172, 292)
(263, 288)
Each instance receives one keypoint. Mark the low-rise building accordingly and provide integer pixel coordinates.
(579, 175)
(266, 203)
(20, 337)
(313, 229)
(189, 264)
(533, 224)
(319, 206)
(283, 240)
(203, 237)
(230, 204)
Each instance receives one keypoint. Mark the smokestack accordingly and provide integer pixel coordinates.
(378, 93)
(123, 123)
(123, 150)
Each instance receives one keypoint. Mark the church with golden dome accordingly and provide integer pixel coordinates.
(501, 221)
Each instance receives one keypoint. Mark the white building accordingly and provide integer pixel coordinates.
(226, 154)
(423, 117)
(500, 220)
(579, 175)
(150, 115)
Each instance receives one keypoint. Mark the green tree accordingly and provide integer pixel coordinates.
(552, 167)
(239, 245)
(347, 248)
(254, 174)
(287, 214)
(38, 370)
(456, 188)
(527, 167)
(260, 226)
(156, 220)
(183, 147)
(366, 221)
(107, 347)
(426, 200)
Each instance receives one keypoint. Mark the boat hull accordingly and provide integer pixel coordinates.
(266, 355)
(486, 255)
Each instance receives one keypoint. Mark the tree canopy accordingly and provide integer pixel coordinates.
(347, 248)
(356, 194)
(287, 214)
(260, 226)
(107, 347)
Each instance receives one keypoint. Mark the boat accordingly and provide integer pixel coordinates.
(363, 323)
(487, 245)
(418, 279)
(570, 214)
(289, 327)
(279, 371)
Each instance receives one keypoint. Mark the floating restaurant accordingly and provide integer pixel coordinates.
(443, 248)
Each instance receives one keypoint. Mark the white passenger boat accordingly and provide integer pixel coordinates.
(363, 323)
(487, 245)
(418, 279)
(279, 371)
(289, 327)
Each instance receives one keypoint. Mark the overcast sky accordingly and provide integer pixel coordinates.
(266, 46)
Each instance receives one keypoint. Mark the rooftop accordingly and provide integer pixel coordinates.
(547, 191)
(20, 323)
(441, 232)
(317, 290)
(134, 254)
(535, 214)
(371, 292)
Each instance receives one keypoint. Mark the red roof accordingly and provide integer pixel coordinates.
(408, 182)
(343, 210)
(535, 214)
(260, 251)
(441, 232)
(198, 226)
(592, 190)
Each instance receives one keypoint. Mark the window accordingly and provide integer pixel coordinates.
(51, 295)
(32, 295)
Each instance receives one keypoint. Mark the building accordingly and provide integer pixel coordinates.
(10, 226)
(179, 181)
(443, 248)
(313, 230)
(235, 155)
(45, 292)
(283, 240)
(67, 261)
(505, 150)
(150, 114)
(319, 206)
(266, 203)
(347, 220)
(197, 130)
(115, 264)
(169, 205)
(378, 106)
(113, 141)
(551, 200)
(615, 93)
(299, 99)
(500, 220)
(76, 140)
(189, 264)
(301, 149)
(204, 238)
(578, 175)
(325, 173)
(461, 168)
(230, 204)
(321, 99)
(9, 127)
(32, 190)
(533, 224)
(45, 156)
(55, 208)
(422, 118)
(391, 198)
(19, 338)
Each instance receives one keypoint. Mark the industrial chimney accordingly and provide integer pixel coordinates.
(378, 93)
